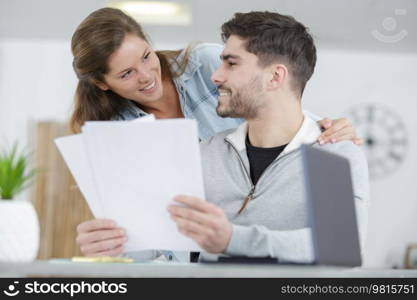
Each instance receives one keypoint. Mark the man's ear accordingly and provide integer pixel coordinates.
(101, 85)
(277, 75)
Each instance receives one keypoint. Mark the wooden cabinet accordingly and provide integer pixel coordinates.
(56, 197)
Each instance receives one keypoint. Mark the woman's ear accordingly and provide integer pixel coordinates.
(101, 85)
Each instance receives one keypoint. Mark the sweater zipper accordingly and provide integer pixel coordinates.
(253, 186)
(247, 199)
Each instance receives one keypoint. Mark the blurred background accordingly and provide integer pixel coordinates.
(366, 71)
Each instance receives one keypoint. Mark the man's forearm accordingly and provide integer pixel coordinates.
(288, 245)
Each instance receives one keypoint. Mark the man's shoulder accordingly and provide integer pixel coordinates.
(358, 165)
(354, 153)
(342, 147)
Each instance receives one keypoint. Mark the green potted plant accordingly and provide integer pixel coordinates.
(14, 173)
(19, 226)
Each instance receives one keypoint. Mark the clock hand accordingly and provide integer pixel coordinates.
(369, 138)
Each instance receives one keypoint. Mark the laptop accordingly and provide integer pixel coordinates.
(331, 208)
(332, 213)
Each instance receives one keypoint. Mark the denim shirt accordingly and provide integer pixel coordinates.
(197, 93)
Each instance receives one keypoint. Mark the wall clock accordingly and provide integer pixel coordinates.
(385, 137)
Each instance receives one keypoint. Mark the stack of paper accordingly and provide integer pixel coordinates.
(129, 171)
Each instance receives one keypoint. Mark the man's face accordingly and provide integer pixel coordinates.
(240, 81)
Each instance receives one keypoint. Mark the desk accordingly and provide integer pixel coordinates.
(60, 268)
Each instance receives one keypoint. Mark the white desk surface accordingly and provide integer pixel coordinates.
(64, 268)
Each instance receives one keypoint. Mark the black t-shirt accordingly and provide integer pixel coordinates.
(260, 158)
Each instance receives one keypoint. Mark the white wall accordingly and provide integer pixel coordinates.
(343, 80)
(37, 82)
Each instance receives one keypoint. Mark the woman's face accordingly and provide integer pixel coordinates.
(134, 72)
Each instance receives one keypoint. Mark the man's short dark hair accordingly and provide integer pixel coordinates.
(273, 37)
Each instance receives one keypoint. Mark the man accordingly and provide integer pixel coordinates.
(253, 174)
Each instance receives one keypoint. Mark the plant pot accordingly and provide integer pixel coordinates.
(19, 231)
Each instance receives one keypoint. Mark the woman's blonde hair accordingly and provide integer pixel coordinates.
(95, 39)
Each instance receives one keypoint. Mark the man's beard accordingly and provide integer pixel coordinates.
(245, 103)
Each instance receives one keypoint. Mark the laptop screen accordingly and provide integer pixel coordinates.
(332, 214)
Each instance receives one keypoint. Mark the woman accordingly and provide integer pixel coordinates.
(122, 78)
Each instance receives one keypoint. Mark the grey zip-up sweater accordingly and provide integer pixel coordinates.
(274, 223)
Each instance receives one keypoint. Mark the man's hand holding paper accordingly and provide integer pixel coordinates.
(203, 222)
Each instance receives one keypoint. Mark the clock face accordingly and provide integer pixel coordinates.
(384, 136)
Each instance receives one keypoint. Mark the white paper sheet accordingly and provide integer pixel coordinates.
(136, 169)
(73, 151)
(75, 156)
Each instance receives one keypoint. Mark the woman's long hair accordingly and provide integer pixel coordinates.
(95, 39)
